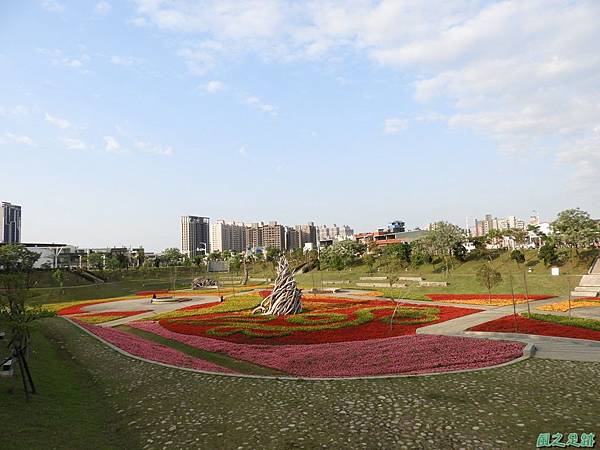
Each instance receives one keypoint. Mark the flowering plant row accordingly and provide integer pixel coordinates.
(76, 307)
(538, 327)
(106, 316)
(484, 299)
(396, 355)
(324, 319)
(143, 348)
(585, 302)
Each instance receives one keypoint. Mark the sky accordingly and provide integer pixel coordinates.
(118, 117)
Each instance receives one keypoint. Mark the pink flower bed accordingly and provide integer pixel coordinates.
(412, 354)
(143, 348)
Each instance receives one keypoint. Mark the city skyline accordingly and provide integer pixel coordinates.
(117, 118)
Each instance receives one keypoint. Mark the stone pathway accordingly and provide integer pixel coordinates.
(505, 408)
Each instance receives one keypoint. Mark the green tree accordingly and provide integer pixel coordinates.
(16, 266)
(199, 260)
(342, 254)
(59, 277)
(369, 260)
(172, 257)
(443, 238)
(517, 256)
(215, 256)
(113, 263)
(576, 229)
(548, 253)
(489, 277)
(273, 254)
(95, 261)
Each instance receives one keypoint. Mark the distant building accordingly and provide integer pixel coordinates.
(273, 235)
(227, 236)
(10, 222)
(385, 237)
(195, 235)
(489, 223)
(254, 235)
(335, 233)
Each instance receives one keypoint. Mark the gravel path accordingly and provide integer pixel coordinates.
(505, 408)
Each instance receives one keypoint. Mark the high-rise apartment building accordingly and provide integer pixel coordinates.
(307, 234)
(273, 235)
(489, 223)
(195, 235)
(254, 235)
(226, 236)
(335, 232)
(10, 222)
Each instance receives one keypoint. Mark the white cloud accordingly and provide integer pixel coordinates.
(125, 60)
(112, 145)
(15, 111)
(214, 86)
(258, 104)
(102, 8)
(57, 57)
(139, 22)
(74, 144)
(243, 152)
(52, 6)
(9, 138)
(523, 73)
(148, 147)
(57, 121)
(394, 125)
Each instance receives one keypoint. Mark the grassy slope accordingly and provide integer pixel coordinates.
(70, 409)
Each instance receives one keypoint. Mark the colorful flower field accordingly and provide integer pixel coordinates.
(484, 299)
(143, 348)
(586, 302)
(323, 320)
(538, 327)
(76, 307)
(413, 354)
(105, 316)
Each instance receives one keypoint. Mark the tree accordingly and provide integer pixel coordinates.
(518, 236)
(59, 277)
(16, 266)
(576, 229)
(198, 260)
(113, 263)
(342, 254)
(369, 260)
(517, 256)
(443, 238)
(215, 256)
(273, 254)
(95, 261)
(551, 255)
(489, 277)
(172, 257)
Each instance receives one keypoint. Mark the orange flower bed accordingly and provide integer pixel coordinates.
(586, 302)
(484, 299)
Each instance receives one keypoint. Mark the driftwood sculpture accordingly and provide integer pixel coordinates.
(286, 297)
(199, 283)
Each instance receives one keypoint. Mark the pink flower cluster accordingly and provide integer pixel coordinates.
(412, 354)
(143, 348)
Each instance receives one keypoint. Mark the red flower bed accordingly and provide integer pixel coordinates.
(451, 297)
(397, 355)
(539, 327)
(150, 293)
(327, 319)
(77, 309)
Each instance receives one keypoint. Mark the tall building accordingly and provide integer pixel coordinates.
(10, 220)
(273, 235)
(195, 235)
(307, 234)
(254, 235)
(226, 236)
(489, 223)
(335, 233)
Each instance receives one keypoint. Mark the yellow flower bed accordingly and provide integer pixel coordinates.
(368, 293)
(54, 307)
(564, 305)
(493, 302)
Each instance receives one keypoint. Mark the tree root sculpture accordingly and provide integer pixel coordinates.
(286, 297)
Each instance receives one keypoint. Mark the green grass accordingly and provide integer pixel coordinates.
(565, 320)
(69, 410)
(217, 358)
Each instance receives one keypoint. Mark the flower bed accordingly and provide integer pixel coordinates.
(106, 316)
(76, 307)
(538, 327)
(414, 354)
(143, 348)
(483, 299)
(324, 319)
(585, 302)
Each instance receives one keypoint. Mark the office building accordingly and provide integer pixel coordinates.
(10, 220)
(195, 235)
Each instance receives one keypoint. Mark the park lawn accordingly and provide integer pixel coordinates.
(220, 359)
(70, 409)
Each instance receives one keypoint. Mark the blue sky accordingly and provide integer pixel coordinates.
(118, 117)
